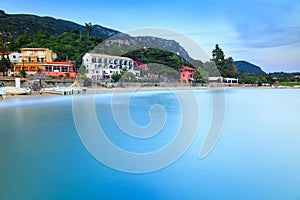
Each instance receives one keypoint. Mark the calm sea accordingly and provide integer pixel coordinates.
(256, 157)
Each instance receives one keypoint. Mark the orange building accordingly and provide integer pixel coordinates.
(33, 59)
(186, 74)
(60, 69)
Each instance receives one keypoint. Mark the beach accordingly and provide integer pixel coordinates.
(99, 90)
(105, 90)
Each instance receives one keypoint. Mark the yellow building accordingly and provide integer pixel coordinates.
(32, 59)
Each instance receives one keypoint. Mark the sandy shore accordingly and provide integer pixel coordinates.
(100, 90)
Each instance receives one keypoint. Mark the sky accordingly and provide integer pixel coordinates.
(263, 32)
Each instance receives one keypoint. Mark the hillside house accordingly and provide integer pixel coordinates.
(186, 74)
(100, 66)
(33, 59)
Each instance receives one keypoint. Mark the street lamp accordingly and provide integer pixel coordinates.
(23, 64)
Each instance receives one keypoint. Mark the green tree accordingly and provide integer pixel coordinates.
(218, 56)
(5, 66)
(225, 66)
(23, 73)
(153, 55)
(88, 29)
(123, 71)
(82, 70)
(198, 77)
(116, 77)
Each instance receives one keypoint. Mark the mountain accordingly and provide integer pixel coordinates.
(246, 67)
(169, 45)
(121, 44)
(18, 24)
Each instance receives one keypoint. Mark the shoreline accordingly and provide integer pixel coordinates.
(100, 90)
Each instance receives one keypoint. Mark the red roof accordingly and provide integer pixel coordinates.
(59, 63)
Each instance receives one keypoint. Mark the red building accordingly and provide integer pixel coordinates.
(186, 74)
(140, 66)
(60, 69)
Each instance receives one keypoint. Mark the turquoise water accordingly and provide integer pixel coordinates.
(256, 157)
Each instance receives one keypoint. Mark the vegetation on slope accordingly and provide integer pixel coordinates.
(152, 55)
(68, 46)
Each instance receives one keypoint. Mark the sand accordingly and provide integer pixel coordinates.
(99, 90)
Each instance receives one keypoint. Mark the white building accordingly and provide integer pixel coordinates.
(220, 79)
(231, 80)
(14, 57)
(100, 65)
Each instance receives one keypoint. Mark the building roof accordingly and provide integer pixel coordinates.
(233, 79)
(30, 64)
(109, 56)
(136, 63)
(58, 63)
(34, 49)
(187, 68)
(214, 78)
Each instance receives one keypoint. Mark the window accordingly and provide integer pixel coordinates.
(99, 60)
(14, 56)
(64, 69)
(56, 68)
(48, 68)
(93, 60)
(37, 59)
(42, 59)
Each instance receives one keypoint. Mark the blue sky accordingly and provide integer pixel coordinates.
(264, 32)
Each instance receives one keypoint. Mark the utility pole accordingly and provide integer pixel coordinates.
(2, 53)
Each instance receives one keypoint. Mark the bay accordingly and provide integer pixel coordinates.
(256, 157)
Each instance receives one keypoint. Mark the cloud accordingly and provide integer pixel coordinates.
(275, 38)
(267, 24)
(265, 32)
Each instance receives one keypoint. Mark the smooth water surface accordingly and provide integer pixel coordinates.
(256, 157)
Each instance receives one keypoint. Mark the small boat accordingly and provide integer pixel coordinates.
(62, 90)
(16, 91)
(73, 89)
(2, 94)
